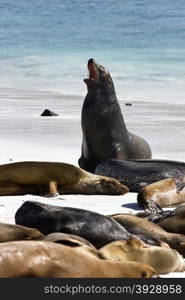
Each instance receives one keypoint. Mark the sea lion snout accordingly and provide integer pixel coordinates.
(91, 61)
(111, 186)
(98, 75)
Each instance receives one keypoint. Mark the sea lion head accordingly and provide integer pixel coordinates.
(110, 186)
(121, 249)
(99, 77)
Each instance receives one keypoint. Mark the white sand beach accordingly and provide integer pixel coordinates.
(25, 135)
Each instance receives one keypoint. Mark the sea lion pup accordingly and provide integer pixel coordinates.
(52, 178)
(163, 193)
(12, 232)
(138, 225)
(47, 259)
(163, 260)
(94, 227)
(176, 222)
(138, 173)
(67, 239)
(104, 131)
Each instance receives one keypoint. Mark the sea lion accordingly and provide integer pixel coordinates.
(138, 173)
(94, 227)
(163, 193)
(104, 131)
(47, 259)
(53, 178)
(138, 225)
(12, 232)
(67, 239)
(163, 260)
(176, 222)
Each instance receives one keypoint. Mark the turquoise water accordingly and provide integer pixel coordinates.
(45, 45)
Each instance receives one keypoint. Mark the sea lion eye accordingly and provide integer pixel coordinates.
(144, 274)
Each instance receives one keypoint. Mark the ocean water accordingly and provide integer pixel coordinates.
(45, 45)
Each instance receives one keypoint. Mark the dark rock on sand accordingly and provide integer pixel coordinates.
(48, 113)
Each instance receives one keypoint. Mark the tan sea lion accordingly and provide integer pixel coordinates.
(67, 239)
(163, 193)
(139, 225)
(12, 232)
(176, 222)
(163, 260)
(52, 178)
(47, 259)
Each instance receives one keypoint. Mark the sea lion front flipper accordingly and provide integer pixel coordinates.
(53, 192)
(150, 206)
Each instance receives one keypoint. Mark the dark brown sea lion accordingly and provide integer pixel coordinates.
(104, 131)
(138, 173)
(47, 259)
(12, 232)
(94, 227)
(138, 225)
(67, 239)
(163, 193)
(163, 260)
(51, 178)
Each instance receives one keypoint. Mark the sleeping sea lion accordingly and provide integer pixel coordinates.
(138, 225)
(176, 222)
(12, 232)
(47, 259)
(94, 227)
(138, 173)
(67, 239)
(163, 193)
(163, 260)
(53, 178)
(104, 131)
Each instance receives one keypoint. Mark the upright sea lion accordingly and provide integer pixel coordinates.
(47, 259)
(12, 232)
(137, 225)
(163, 193)
(96, 228)
(104, 131)
(163, 260)
(51, 178)
(140, 172)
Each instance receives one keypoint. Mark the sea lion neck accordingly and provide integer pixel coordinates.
(104, 97)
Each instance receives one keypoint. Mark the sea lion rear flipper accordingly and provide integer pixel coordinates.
(156, 217)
